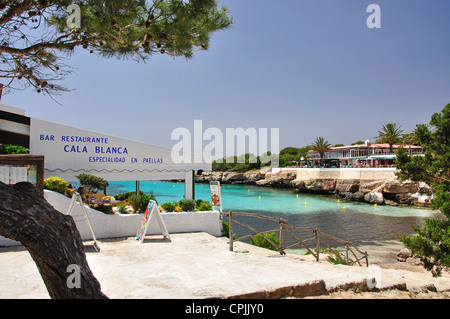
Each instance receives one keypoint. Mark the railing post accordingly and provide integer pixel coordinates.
(318, 243)
(346, 254)
(367, 258)
(281, 236)
(230, 229)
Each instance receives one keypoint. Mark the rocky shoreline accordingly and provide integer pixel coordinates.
(380, 192)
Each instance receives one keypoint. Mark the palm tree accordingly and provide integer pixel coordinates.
(320, 145)
(391, 134)
(410, 138)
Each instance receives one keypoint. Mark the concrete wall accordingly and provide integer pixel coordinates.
(112, 226)
(346, 173)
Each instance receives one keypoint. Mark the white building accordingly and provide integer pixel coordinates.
(364, 155)
(70, 151)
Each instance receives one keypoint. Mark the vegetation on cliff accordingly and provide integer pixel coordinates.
(432, 242)
(247, 162)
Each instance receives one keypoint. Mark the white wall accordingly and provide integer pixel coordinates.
(346, 173)
(112, 226)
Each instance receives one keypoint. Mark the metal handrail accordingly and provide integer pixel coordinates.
(286, 227)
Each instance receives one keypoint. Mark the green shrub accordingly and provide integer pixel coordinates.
(187, 205)
(140, 203)
(260, 241)
(125, 196)
(337, 258)
(122, 208)
(12, 149)
(93, 183)
(107, 209)
(203, 206)
(169, 207)
(56, 184)
(334, 256)
(225, 228)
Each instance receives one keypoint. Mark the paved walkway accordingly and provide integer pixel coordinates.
(198, 265)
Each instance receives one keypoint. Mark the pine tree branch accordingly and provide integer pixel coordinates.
(15, 10)
(56, 44)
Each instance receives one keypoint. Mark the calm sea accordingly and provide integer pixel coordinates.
(360, 223)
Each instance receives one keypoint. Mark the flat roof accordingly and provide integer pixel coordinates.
(372, 146)
(12, 109)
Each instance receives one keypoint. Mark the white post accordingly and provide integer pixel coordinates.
(189, 185)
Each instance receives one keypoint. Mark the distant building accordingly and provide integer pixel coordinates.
(364, 155)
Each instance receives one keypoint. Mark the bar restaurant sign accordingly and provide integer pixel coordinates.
(71, 150)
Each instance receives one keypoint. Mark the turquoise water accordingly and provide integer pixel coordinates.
(363, 224)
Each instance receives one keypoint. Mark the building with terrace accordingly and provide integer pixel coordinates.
(363, 155)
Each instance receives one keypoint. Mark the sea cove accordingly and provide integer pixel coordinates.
(266, 199)
(360, 223)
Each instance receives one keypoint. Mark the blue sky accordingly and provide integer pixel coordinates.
(308, 67)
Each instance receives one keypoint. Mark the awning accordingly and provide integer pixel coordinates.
(383, 157)
(70, 151)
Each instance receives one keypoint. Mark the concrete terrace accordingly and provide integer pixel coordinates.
(199, 265)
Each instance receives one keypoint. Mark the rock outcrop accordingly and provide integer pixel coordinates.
(316, 186)
(250, 177)
(388, 192)
(281, 179)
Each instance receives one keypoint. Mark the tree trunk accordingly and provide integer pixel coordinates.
(51, 238)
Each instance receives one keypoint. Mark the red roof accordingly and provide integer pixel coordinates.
(374, 145)
(386, 145)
